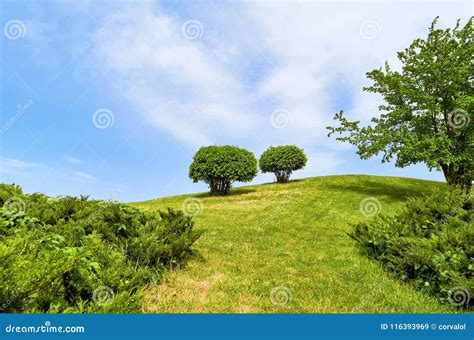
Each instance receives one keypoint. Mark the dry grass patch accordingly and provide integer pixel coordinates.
(179, 289)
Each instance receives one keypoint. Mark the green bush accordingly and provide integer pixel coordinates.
(78, 255)
(8, 191)
(282, 161)
(429, 243)
(220, 166)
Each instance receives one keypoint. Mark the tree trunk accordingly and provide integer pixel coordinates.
(282, 176)
(219, 186)
(457, 178)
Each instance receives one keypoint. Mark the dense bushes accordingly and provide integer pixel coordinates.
(430, 243)
(220, 166)
(79, 255)
(282, 161)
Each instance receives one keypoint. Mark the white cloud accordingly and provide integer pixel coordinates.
(198, 90)
(73, 160)
(315, 42)
(83, 175)
(168, 78)
(319, 164)
(9, 166)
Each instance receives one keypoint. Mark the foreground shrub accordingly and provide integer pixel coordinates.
(79, 255)
(430, 244)
(220, 166)
(282, 161)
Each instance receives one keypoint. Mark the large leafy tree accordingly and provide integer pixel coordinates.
(282, 161)
(221, 166)
(428, 107)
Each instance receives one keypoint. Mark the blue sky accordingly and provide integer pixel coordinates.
(113, 98)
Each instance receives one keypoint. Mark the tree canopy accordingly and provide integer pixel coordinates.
(220, 166)
(282, 161)
(427, 112)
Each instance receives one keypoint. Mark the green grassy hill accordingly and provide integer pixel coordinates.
(284, 248)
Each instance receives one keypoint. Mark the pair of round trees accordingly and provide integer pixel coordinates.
(220, 166)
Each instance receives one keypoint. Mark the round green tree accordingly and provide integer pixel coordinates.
(282, 161)
(220, 166)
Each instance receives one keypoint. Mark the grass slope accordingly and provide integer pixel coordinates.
(291, 235)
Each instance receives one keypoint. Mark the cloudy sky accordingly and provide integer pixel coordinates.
(112, 98)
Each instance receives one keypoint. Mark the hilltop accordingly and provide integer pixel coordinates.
(285, 248)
